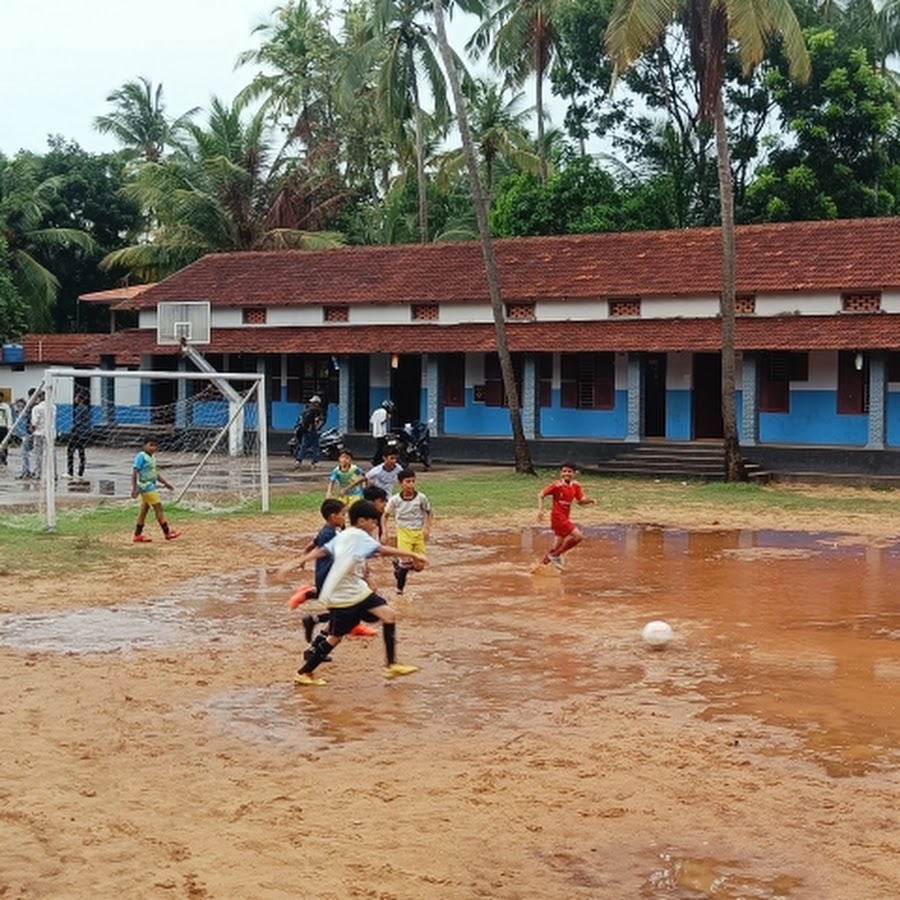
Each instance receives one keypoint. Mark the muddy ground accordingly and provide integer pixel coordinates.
(155, 746)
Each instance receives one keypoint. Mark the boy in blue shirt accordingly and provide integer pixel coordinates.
(145, 481)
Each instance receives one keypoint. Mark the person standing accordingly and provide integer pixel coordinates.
(22, 430)
(80, 435)
(308, 428)
(379, 420)
(39, 436)
(5, 424)
(145, 482)
(565, 491)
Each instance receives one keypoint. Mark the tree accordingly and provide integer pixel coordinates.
(25, 198)
(523, 38)
(138, 121)
(836, 164)
(401, 55)
(710, 25)
(13, 311)
(88, 197)
(222, 188)
(498, 129)
(522, 453)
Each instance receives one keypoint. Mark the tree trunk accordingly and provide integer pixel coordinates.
(734, 464)
(521, 450)
(420, 176)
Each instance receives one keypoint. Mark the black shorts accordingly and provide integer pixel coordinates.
(345, 618)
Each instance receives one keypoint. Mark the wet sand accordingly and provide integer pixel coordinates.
(156, 746)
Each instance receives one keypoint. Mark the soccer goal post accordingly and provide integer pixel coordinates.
(211, 428)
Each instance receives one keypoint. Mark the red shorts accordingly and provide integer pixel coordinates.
(562, 527)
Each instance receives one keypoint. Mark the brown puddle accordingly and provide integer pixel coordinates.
(798, 631)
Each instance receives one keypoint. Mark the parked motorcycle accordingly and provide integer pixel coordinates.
(331, 442)
(413, 443)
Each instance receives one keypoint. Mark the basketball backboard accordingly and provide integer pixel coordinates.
(188, 320)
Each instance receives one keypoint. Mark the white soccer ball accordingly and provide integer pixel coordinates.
(657, 634)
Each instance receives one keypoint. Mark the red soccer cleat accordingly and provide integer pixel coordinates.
(361, 630)
(300, 595)
(142, 539)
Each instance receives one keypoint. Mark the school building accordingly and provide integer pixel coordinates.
(616, 339)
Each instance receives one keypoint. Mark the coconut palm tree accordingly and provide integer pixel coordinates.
(401, 54)
(523, 41)
(223, 188)
(712, 27)
(522, 453)
(24, 201)
(138, 121)
(499, 130)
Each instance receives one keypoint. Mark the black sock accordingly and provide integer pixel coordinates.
(138, 529)
(389, 633)
(165, 527)
(318, 653)
(401, 574)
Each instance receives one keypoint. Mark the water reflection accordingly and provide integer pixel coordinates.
(800, 631)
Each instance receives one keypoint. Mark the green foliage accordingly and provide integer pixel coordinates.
(580, 198)
(838, 163)
(13, 311)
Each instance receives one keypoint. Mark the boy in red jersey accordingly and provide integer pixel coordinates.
(565, 491)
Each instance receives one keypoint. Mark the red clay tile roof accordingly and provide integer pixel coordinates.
(69, 350)
(114, 296)
(838, 255)
(840, 332)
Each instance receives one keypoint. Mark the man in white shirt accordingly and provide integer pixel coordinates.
(379, 420)
(39, 433)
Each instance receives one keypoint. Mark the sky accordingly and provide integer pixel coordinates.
(60, 60)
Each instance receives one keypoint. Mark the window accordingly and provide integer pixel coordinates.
(777, 371)
(625, 308)
(425, 312)
(336, 313)
(453, 379)
(588, 380)
(520, 312)
(853, 383)
(863, 301)
(494, 395)
(254, 316)
(544, 362)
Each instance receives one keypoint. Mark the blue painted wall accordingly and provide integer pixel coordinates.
(813, 419)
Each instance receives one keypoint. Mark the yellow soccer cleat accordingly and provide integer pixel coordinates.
(395, 670)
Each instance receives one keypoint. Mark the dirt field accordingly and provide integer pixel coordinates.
(539, 752)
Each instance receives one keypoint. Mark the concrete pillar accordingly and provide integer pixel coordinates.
(434, 409)
(345, 394)
(877, 401)
(750, 400)
(635, 423)
(530, 397)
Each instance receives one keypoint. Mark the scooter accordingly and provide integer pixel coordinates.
(331, 442)
(413, 443)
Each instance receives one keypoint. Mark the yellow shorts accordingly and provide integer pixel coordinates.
(151, 498)
(411, 540)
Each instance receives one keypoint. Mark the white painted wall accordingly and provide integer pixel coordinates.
(672, 307)
(678, 371)
(798, 304)
(822, 372)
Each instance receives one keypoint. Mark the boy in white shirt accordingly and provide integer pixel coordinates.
(348, 595)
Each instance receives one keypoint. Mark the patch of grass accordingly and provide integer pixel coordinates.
(77, 542)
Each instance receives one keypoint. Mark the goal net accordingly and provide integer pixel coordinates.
(210, 428)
